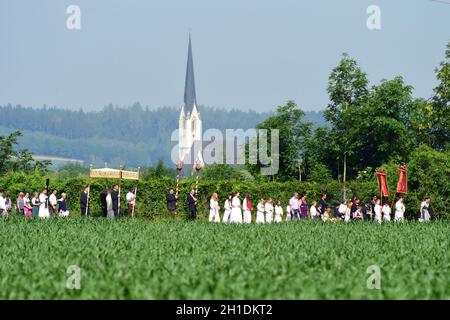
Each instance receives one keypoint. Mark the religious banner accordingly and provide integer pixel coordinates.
(105, 173)
(402, 184)
(382, 182)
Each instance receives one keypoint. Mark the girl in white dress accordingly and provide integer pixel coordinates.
(260, 212)
(43, 208)
(236, 211)
(247, 207)
(313, 211)
(288, 213)
(109, 206)
(227, 209)
(399, 209)
(386, 212)
(278, 212)
(214, 208)
(269, 210)
(348, 211)
(378, 211)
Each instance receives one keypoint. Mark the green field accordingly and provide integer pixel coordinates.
(136, 259)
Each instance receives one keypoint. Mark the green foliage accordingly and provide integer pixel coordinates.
(13, 160)
(134, 259)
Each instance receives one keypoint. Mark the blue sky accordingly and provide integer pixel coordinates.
(248, 54)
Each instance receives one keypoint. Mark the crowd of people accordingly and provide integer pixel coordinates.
(297, 208)
(40, 205)
(44, 205)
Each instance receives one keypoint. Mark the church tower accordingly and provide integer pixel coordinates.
(190, 123)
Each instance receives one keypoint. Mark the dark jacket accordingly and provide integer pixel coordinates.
(115, 200)
(83, 200)
(191, 203)
(171, 201)
(103, 195)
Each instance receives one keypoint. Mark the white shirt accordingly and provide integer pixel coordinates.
(226, 205)
(278, 210)
(260, 207)
(269, 207)
(342, 208)
(2, 203)
(53, 201)
(236, 203)
(131, 198)
(214, 205)
(42, 198)
(386, 210)
(399, 207)
(313, 211)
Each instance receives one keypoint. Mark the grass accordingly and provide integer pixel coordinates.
(136, 259)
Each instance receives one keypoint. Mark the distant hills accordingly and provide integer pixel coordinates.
(130, 136)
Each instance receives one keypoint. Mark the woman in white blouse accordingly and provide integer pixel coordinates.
(386, 212)
(278, 212)
(269, 210)
(399, 209)
(260, 212)
(313, 211)
(236, 211)
(227, 209)
(214, 208)
(378, 211)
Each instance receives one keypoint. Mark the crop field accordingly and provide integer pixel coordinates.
(137, 259)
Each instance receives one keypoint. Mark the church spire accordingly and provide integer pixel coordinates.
(189, 86)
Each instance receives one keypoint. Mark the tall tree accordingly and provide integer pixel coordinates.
(292, 134)
(347, 88)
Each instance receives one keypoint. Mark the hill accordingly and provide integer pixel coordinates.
(131, 136)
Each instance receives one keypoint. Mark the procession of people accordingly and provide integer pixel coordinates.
(233, 210)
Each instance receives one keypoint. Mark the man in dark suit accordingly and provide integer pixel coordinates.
(192, 204)
(115, 200)
(103, 195)
(85, 210)
(171, 201)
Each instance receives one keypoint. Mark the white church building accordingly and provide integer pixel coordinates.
(190, 122)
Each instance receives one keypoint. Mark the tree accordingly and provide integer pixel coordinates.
(383, 124)
(292, 134)
(13, 160)
(347, 88)
(439, 114)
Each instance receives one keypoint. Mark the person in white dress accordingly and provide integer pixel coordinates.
(288, 213)
(260, 212)
(109, 205)
(43, 208)
(386, 212)
(313, 211)
(3, 211)
(348, 212)
(378, 211)
(425, 210)
(247, 207)
(214, 208)
(342, 209)
(399, 210)
(227, 209)
(269, 211)
(236, 211)
(278, 212)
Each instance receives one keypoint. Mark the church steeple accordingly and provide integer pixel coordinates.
(190, 100)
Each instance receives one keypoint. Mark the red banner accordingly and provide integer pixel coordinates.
(382, 183)
(402, 184)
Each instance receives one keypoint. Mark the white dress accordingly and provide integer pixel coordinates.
(386, 213)
(399, 211)
(378, 212)
(43, 211)
(347, 215)
(236, 212)
(260, 213)
(278, 214)
(109, 208)
(247, 213)
(227, 210)
(314, 213)
(214, 211)
(269, 212)
(288, 213)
